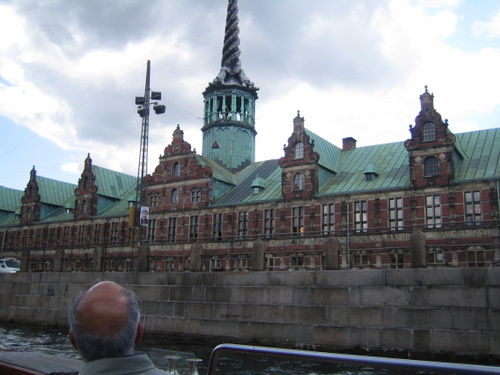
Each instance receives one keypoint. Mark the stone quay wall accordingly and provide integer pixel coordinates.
(449, 310)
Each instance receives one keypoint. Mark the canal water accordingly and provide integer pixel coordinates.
(55, 341)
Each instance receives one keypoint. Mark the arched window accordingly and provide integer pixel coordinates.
(431, 167)
(298, 181)
(174, 196)
(176, 170)
(299, 150)
(428, 132)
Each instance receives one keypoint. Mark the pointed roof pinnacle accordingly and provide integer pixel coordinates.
(231, 72)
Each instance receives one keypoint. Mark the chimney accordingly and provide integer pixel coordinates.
(348, 144)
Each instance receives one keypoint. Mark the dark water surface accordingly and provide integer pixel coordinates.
(55, 341)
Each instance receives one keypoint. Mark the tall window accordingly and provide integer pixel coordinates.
(176, 169)
(242, 224)
(153, 200)
(174, 196)
(269, 223)
(151, 230)
(473, 208)
(172, 223)
(81, 234)
(65, 236)
(217, 227)
(361, 216)
(298, 181)
(195, 195)
(431, 167)
(97, 233)
(328, 218)
(113, 234)
(396, 213)
(429, 132)
(298, 220)
(84, 207)
(433, 211)
(299, 150)
(193, 227)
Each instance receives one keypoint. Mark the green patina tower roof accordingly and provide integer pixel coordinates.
(229, 101)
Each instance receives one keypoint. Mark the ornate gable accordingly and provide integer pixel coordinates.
(179, 181)
(431, 147)
(299, 165)
(30, 202)
(86, 193)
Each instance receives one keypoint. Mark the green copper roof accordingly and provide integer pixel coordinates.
(482, 155)
(10, 199)
(328, 152)
(390, 161)
(54, 192)
(111, 183)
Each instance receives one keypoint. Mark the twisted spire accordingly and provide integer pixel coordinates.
(231, 72)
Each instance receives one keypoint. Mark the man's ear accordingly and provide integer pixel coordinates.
(72, 340)
(139, 333)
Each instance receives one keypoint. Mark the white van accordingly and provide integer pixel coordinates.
(9, 265)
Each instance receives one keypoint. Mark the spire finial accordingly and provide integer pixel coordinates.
(230, 71)
(426, 88)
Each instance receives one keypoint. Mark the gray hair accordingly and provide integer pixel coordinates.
(93, 346)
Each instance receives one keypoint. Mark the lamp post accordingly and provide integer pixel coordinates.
(143, 103)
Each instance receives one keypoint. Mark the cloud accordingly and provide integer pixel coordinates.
(70, 69)
(490, 29)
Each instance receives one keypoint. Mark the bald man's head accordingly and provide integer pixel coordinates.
(104, 321)
(104, 309)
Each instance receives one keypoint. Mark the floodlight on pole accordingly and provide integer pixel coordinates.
(143, 103)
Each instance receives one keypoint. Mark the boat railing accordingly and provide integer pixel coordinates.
(349, 359)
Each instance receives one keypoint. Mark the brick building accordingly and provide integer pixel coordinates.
(429, 201)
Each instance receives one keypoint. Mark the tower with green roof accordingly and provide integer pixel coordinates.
(229, 105)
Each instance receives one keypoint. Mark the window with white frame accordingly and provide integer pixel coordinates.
(193, 227)
(195, 195)
(217, 227)
(298, 181)
(396, 213)
(174, 196)
(151, 236)
(171, 229)
(360, 259)
(242, 225)
(153, 200)
(268, 223)
(328, 218)
(397, 259)
(176, 169)
(273, 262)
(298, 220)
(476, 257)
(97, 233)
(361, 216)
(433, 211)
(431, 167)
(473, 214)
(113, 233)
(299, 150)
(429, 132)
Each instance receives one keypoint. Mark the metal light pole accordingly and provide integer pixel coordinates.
(143, 103)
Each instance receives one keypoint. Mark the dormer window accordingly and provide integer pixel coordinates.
(299, 150)
(176, 170)
(298, 181)
(370, 176)
(431, 167)
(428, 132)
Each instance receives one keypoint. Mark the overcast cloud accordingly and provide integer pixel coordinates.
(70, 69)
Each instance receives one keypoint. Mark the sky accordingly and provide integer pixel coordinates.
(71, 69)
